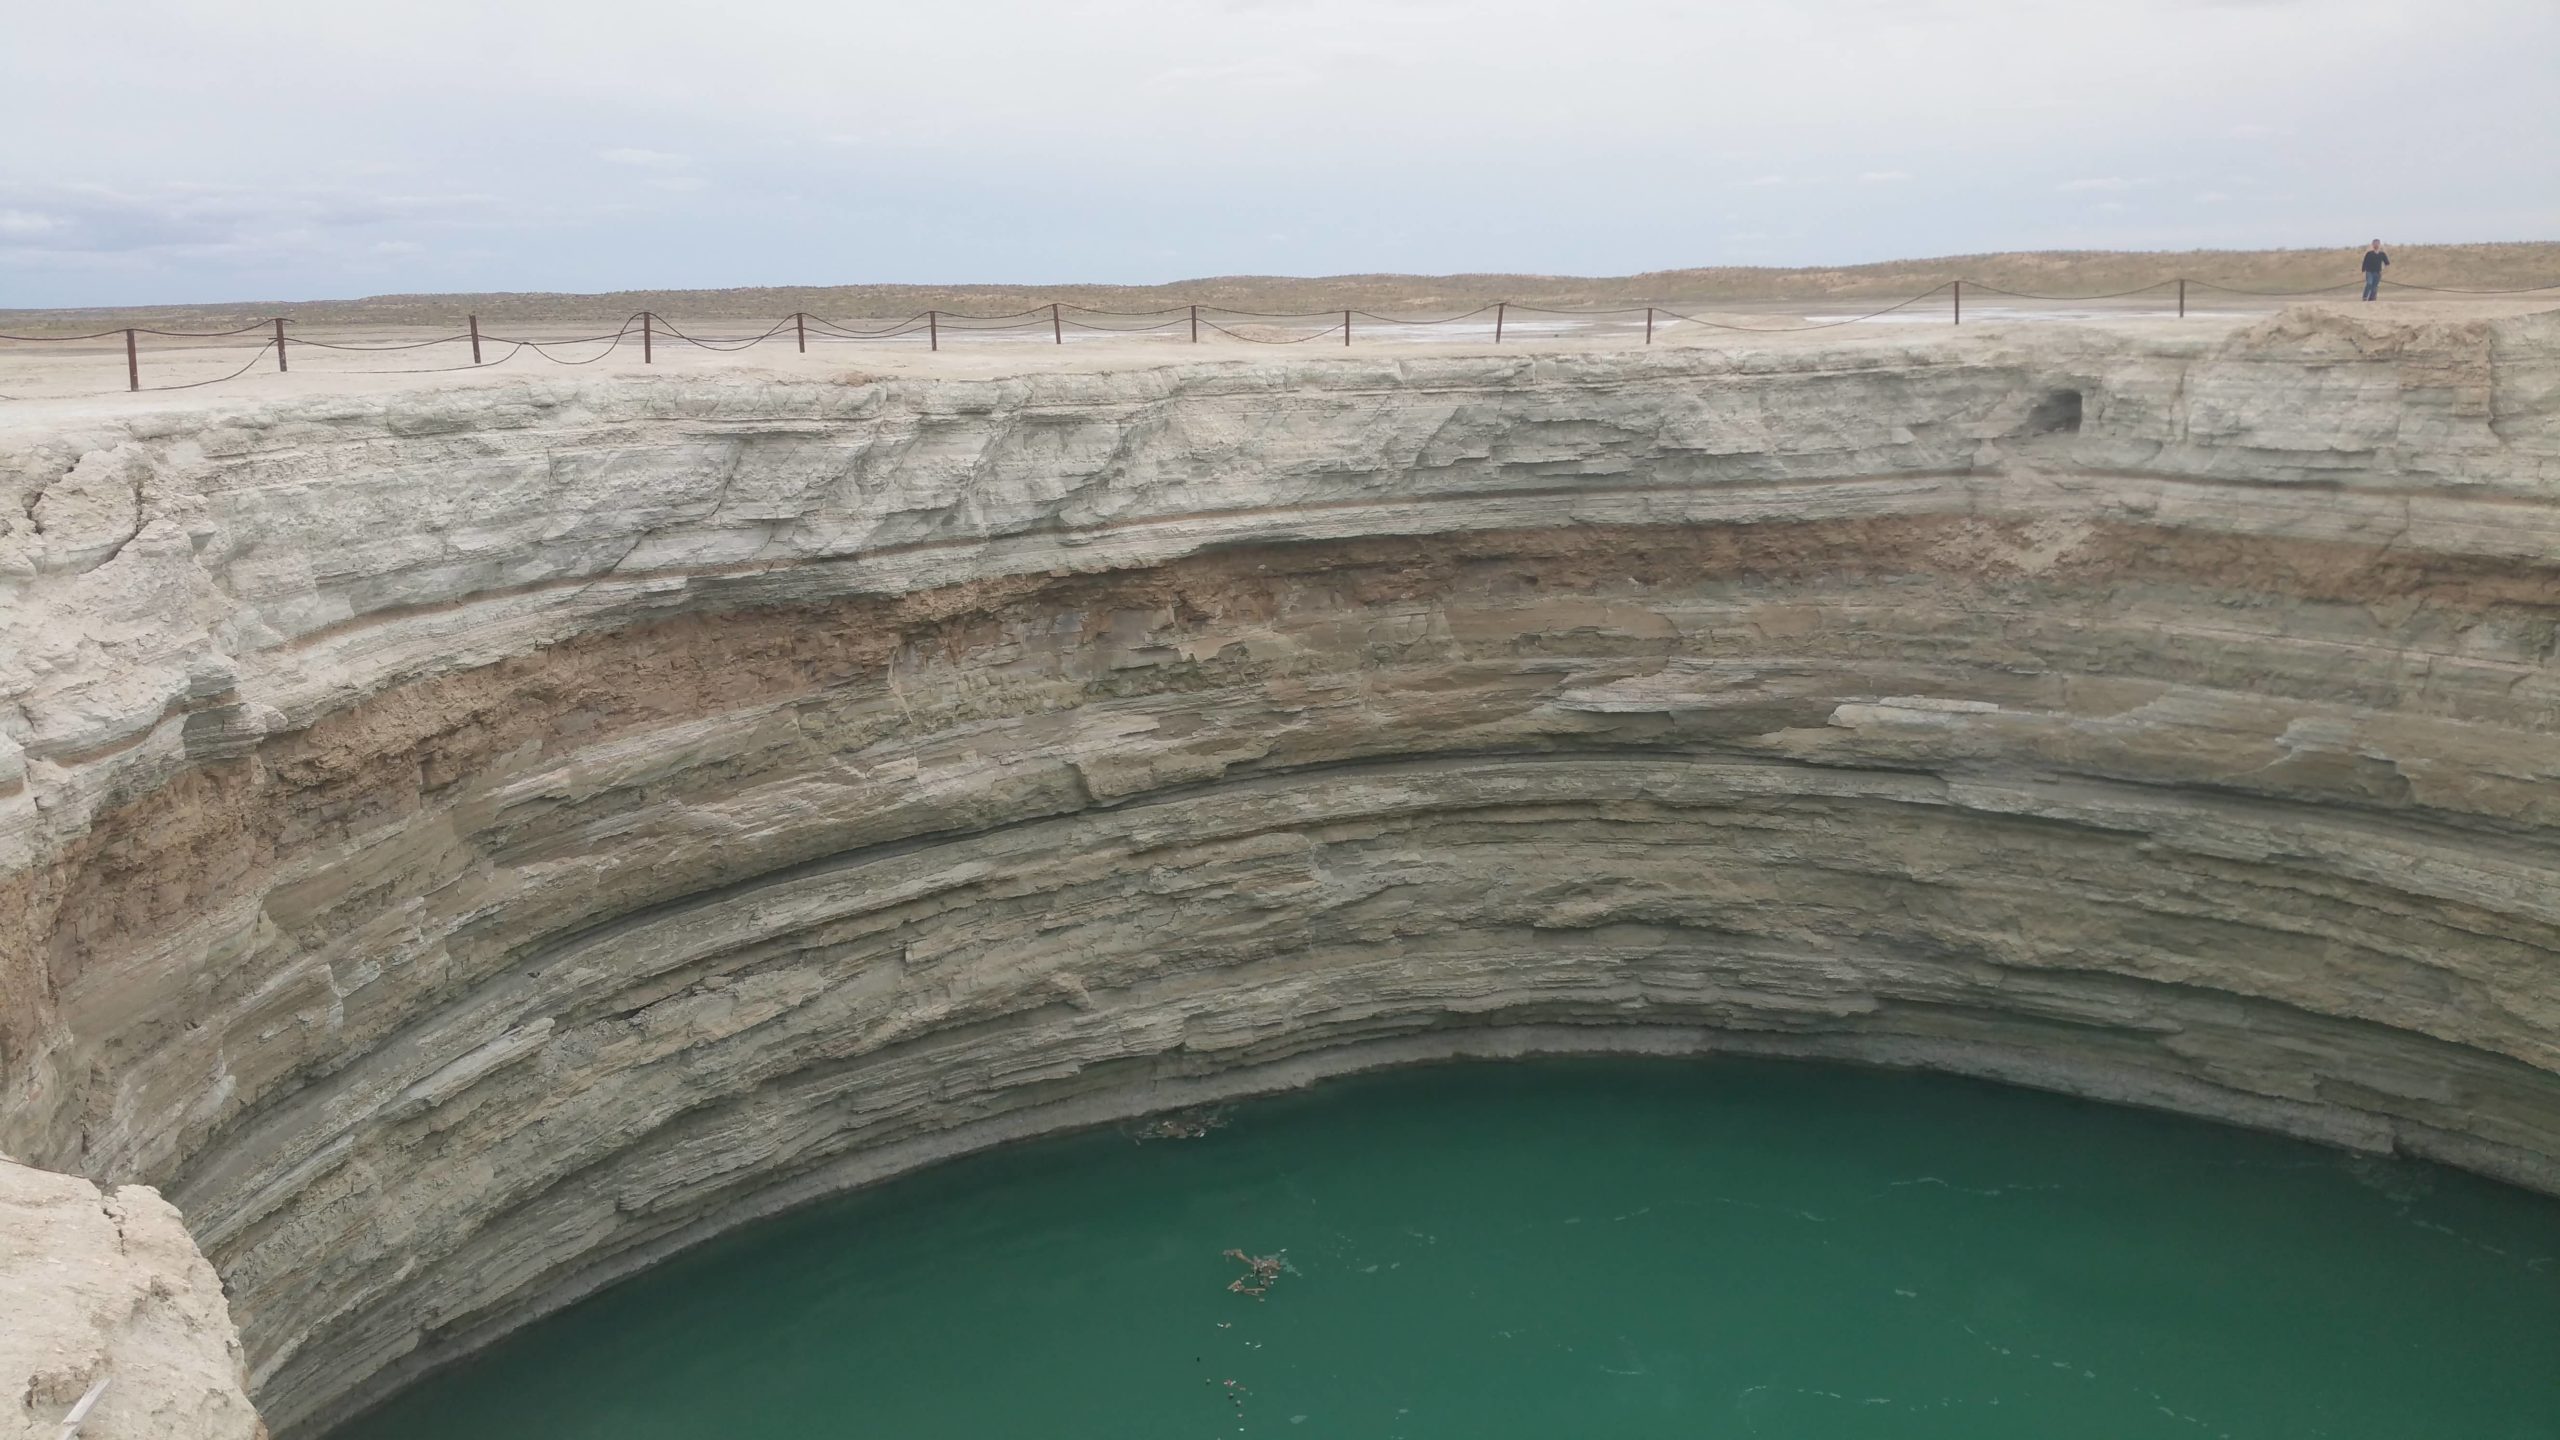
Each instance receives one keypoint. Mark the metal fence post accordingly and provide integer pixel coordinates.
(1959, 302)
(1195, 324)
(132, 364)
(475, 339)
(1499, 307)
(800, 329)
(1057, 332)
(1346, 329)
(279, 344)
(933, 329)
(2182, 299)
(647, 323)
(1648, 324)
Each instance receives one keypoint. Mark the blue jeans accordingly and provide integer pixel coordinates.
(2372, 283)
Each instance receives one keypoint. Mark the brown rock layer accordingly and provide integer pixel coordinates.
(453, 917)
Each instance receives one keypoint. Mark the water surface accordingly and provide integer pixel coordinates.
(1584, 1249)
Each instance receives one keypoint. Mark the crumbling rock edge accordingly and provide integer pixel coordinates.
(464, 846)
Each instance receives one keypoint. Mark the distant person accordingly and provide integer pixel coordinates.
(2375, 257)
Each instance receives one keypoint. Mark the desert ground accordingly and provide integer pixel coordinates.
(70, 378)
(2072, 272)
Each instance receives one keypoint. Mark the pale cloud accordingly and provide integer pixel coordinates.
(643, 159)
(881, 138)
(532, 146)
(1261, 72)
(210, 217)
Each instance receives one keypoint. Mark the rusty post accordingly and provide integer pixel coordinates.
(933, 328)
(1195, 324)
(1056, 331)
(1346, 329)
(648, 323)
(1499, 307)
(2182, 299)
(279, 344)
(800, 330)
(1959, 302)
(1648, 324)
(132, 364)
(475, 339)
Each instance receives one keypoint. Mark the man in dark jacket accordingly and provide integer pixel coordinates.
(2375, 257)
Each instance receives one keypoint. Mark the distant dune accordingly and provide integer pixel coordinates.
(2073, 272)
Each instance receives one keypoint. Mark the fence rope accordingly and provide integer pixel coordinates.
(2276, 294)
(806, 327)
(1591, 310)
(1442, 320)
(1326, 333)
(544, 348)
(513, 348)
(667, 326)
(1127, 329)
(1125, 314)
(1818, 325)
(2034, 295)
(1275, 314)
(839, 332)
(333, 345)
(254, 357)
(43, 339)
(147, 330)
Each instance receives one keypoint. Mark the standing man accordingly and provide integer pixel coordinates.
(2375, 257)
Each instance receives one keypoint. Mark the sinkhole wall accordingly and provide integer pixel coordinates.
(461, 845)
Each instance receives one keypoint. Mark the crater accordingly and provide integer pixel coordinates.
(492, 841)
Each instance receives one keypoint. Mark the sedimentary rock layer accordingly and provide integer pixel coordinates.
(462, 846)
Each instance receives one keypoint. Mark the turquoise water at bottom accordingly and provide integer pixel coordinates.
(1583, 1249)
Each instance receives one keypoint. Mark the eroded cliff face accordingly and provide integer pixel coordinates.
(465, 846)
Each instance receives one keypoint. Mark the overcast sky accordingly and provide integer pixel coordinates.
(172, 150)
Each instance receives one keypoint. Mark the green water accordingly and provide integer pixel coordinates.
(1580, 1249)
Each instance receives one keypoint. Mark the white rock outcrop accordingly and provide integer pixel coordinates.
(464, 845)
(106, 1292)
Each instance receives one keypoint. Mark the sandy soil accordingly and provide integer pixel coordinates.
(55, 380)
(2330, 270)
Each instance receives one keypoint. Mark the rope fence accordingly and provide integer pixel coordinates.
(650, 330)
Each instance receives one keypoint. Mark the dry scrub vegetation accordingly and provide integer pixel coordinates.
(2486, 266)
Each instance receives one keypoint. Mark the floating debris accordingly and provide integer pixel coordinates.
(1261, 1272)
(1193, 1124)
(1236, 1392)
